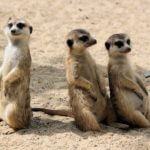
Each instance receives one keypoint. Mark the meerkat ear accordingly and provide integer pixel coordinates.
(70, 43)
(31, 29)
(107, 45)
(10, 18)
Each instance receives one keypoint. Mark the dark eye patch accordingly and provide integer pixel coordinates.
(70, 43)
(10, 25)
(107, 45)
(128, 41)
(84, 38)
(21, 25)
(119, 44)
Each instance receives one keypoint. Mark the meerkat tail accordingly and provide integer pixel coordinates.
(147, 74)
(60, 112)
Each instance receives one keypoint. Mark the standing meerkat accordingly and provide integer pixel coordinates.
(15, 75)
(128, 93)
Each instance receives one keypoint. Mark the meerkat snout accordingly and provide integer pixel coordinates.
(118, 44)
(92, 41)
(13, 31)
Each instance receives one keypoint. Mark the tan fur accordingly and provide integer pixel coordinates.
(128, 93)
(15, 78)
(86, 85)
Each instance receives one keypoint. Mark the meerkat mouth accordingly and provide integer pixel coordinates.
(126, 51)
(15, 34)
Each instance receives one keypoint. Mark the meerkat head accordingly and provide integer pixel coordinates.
(118, 44)
(18, 29)
(79, 39)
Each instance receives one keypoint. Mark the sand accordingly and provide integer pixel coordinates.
(52, 20)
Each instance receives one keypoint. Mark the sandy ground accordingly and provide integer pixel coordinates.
(52, 20)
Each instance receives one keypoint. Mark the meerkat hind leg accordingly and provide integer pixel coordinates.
(112, 120)
(13, 118)
(87, 121)
(148, 111)
(139, 119)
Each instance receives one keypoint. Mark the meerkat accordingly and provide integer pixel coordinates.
(15, 75)
(127, 91)
(86, 86)
(89, 100)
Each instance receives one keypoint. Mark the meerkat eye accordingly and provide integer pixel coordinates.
(10, 25)
(128, 42)
(107, 45)
(70, 43)
(119, 44)
(84, 38)
(21, 25)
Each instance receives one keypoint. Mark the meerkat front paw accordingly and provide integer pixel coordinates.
(6, 85)
(92, 91)
(89, 85)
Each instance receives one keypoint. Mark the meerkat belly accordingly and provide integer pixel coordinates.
(14, 55)
(127, 101)
(11, 59)
(86, 72)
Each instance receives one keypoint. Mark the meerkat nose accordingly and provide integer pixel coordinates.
(94, 41)
(13, 31)
(128, 49)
